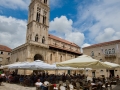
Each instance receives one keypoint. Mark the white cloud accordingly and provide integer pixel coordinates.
(23, 4)
(75, 37)
(12, 31)
(15, 4)
(85, 45)
(107, 35)
(62, 25)
(98, 16)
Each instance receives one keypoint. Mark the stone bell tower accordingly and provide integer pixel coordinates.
(38, 23)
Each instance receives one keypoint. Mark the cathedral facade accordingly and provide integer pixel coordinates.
(39, 44)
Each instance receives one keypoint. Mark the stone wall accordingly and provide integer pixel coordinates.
(99, 53)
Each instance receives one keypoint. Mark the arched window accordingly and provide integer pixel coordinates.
(45, 1)
(38, 57)
(92, 53)
(43, 40)
(60, 58)
(109, 51)
(101, 60)
(106, 51)
(38, 14)
(30, 36)
(113, 51)
(17, 60)
(36, 38)
(1, 52)
(51, 57)
(63, 46)
(44, 19)
(38, 17)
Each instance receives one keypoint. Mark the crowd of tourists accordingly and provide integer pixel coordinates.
(43, 81)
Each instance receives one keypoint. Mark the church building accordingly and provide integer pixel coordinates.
(39, 44)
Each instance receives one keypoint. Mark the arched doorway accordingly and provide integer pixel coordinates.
(38, 57)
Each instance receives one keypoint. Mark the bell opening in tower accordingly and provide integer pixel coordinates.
(45, 1)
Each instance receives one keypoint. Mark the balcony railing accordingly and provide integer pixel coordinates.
(110, 55)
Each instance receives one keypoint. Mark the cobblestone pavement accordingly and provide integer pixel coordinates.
(117, 87)
(7, 86)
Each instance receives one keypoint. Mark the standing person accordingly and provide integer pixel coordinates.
(21, 80)
(1, 79)
(110, 76)
(117, 78)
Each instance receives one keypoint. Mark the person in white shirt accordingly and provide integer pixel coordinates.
(38, 85)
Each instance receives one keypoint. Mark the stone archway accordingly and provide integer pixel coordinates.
(38, 57)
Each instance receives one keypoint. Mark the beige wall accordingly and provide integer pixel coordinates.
(19, 54)
(99, 53)
(27, 52)
(4, 58)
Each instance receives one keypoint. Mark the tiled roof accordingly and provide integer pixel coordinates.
(5, 48)
(62, 40)
(103, 44)
(53, 46)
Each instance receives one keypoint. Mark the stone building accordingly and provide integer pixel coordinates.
(4, 55)
(39, 44)
(106, 51)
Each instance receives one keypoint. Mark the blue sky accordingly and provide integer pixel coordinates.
(83, 22)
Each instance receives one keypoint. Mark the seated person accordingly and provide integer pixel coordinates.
(38, 85)
(62, 88)
(45, 85)
(71, 87)
(55, 87)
